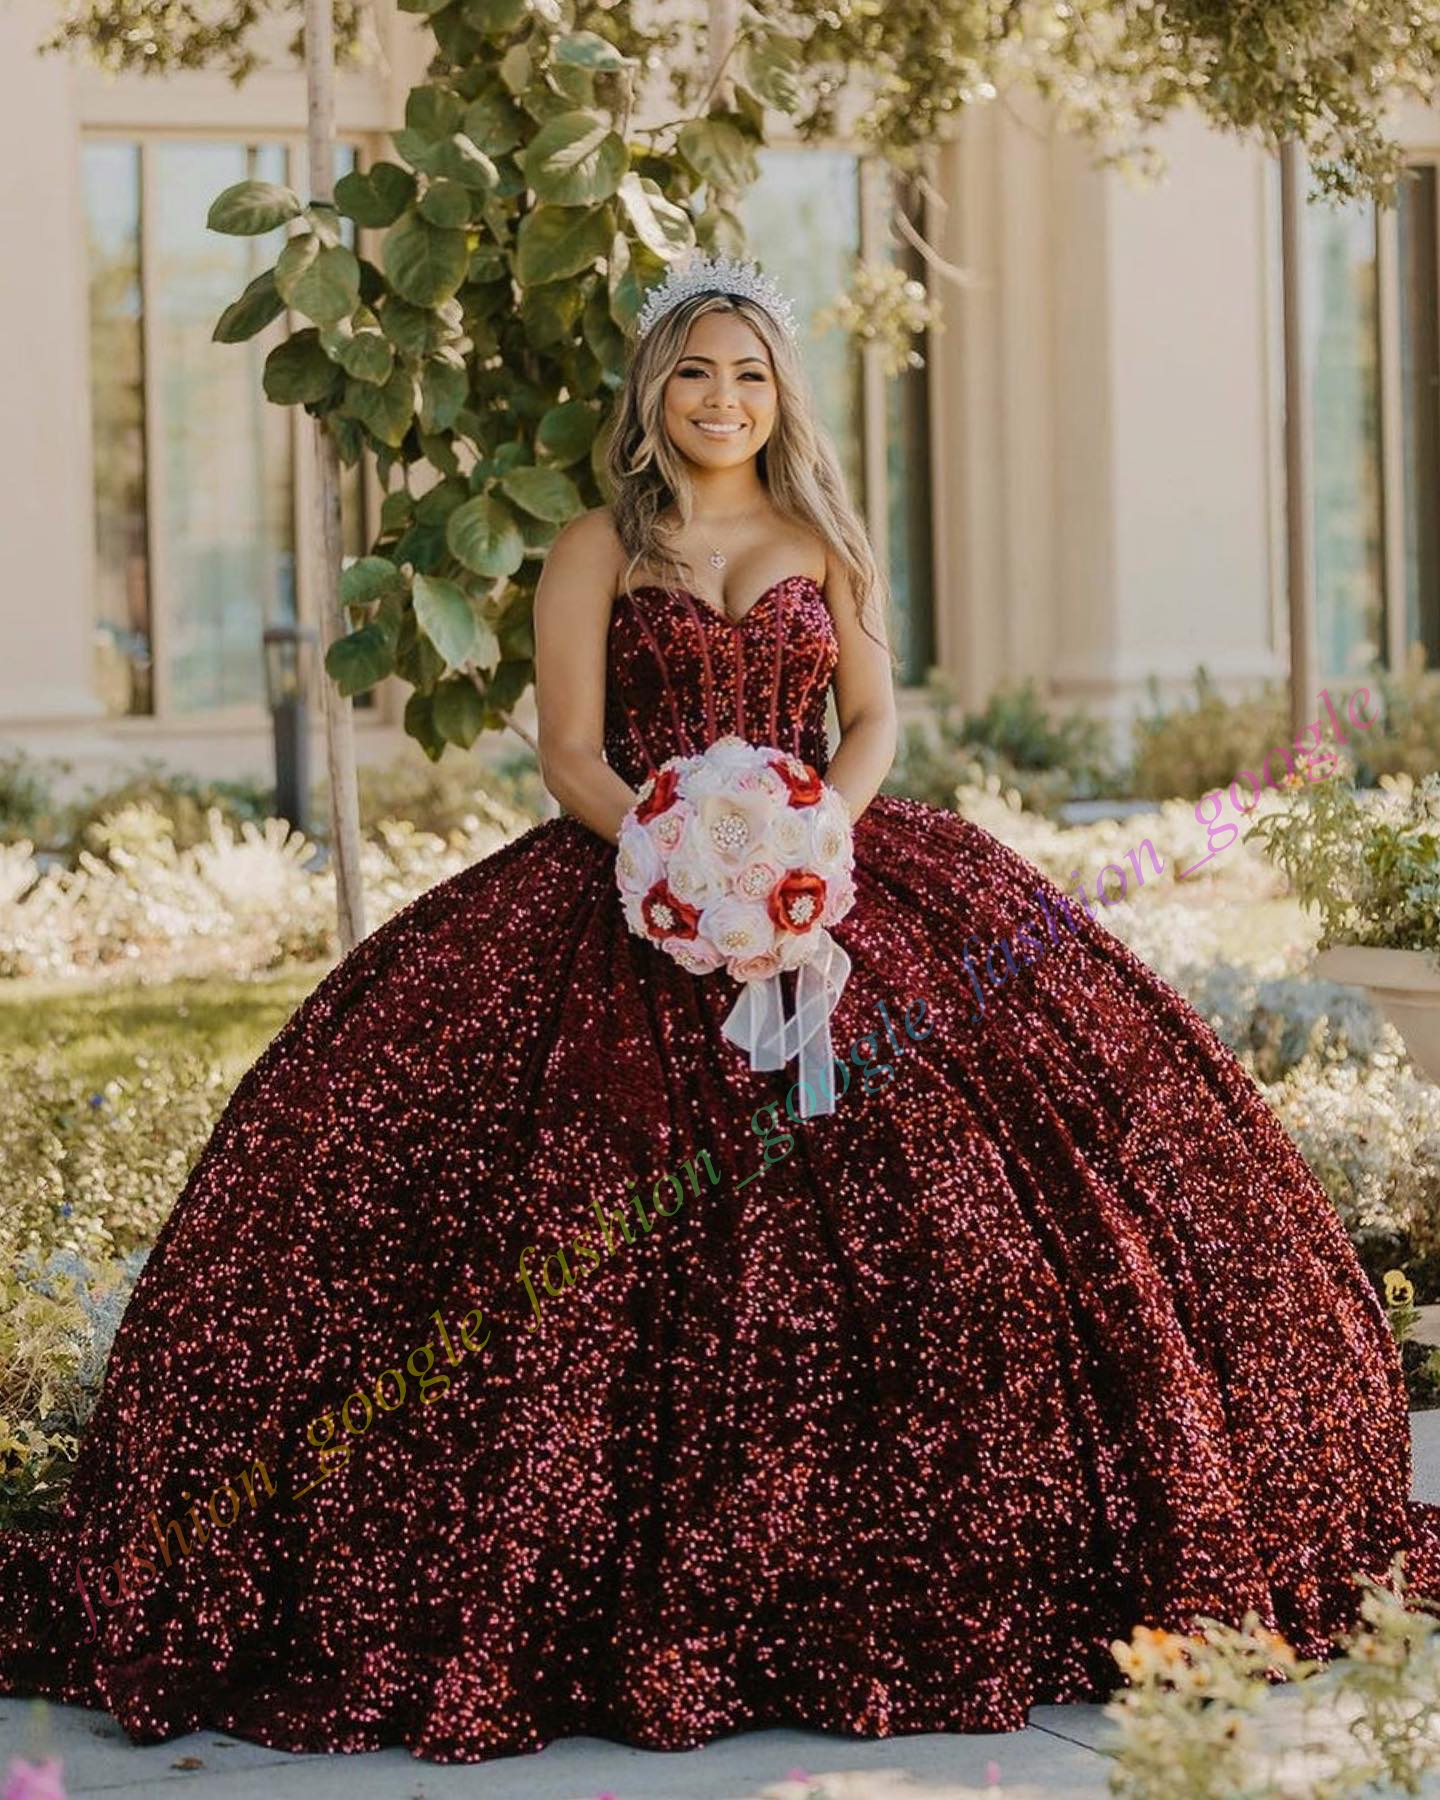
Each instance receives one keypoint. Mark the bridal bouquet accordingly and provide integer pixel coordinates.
(741, 857)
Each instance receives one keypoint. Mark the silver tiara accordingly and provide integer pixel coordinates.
(697, 273)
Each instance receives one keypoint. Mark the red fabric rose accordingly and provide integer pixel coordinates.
(667, 917)
(806, 789)
(798, 886)
(659, 797)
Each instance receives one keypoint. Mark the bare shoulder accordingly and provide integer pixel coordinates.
(584, 558)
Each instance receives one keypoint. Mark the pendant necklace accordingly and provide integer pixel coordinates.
(718, 558)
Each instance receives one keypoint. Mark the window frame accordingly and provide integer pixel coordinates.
(243, 716)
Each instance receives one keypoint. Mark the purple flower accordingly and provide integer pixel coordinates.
(97, 1099)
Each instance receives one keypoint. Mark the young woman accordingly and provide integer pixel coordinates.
(1055, 1337)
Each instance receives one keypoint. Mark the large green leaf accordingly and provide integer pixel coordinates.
(556, 241)
(377, 197)
(503, 690)
(411, 329)
(446, 203)
(588, 50)
(425, 263)
(251, 208)
(483, 535)
(661, 227)
(517, 68)
(367, 579)
(433, 111)
(299, 373)
(549, 312)
(368, 354)
(447, 617)
(603, 338)
(444, 388)
(436, 504)
(457, 159)
(567, 431)
(384, 411)
(718, 153)
(459, 712)
(252, 312)
(496, 18)
(397, 509)
(424, 548)
(493, 122)
(577, 159)
(770, 65)
(544, 492)
(358, 661)
(420, 725)
(324, 284)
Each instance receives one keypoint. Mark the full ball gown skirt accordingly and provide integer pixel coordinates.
(1050, 1334)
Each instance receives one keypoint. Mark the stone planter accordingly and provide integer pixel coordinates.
(1404, 984)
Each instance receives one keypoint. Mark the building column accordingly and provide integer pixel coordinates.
(46, 508)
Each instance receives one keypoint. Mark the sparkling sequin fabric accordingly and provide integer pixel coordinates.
(1050, 1335)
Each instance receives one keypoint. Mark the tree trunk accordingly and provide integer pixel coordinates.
(1299, 481)
(339, 713)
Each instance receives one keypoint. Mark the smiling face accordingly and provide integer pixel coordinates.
(720, 399)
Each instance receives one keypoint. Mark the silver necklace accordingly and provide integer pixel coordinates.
(718, 559)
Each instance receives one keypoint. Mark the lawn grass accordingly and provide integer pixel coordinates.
(103, 1029)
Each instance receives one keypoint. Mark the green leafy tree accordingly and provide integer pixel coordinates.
(521, 218)
(475, 356)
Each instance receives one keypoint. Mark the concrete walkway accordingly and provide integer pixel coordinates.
(1057, 1754)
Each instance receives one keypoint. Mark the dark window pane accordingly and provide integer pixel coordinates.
(802, 219)
(117, 408)
(1343, 367)
(228, 523)
(1420, 379)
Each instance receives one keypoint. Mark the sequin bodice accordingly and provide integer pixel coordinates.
(680, 674)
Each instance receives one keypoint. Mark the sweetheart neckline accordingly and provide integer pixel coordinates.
(656, 587)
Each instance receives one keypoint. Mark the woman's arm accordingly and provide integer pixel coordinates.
(864, 697)
(572, 621)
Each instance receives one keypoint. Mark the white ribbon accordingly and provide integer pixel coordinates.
(757, 1023)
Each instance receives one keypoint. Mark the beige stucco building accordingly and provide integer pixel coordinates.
(1084, 485)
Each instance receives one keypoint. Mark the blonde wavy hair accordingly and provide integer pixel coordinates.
(797, 463)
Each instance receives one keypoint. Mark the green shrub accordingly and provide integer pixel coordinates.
(29, 810)
(1406, 741)
(442, 796)
(1201, 744)
(1047, 761)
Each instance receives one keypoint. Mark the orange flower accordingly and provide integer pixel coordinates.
(806, 788)
(668, 917)
(659, 797)
(797, 900)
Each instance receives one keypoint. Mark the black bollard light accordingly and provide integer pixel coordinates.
(289, 651)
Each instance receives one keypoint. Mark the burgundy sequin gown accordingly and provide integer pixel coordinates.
(1050, 1334)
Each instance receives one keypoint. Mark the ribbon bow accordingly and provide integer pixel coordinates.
(757, 1023)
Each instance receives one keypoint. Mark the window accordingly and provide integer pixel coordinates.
(807, 218)
(195, 471)
(1372, 360)
(1419, 305)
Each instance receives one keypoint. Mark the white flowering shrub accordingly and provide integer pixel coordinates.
(243, 899)
(1372, 1136)
(1181, 841)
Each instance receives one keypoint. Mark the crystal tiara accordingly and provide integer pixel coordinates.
(698, 273)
